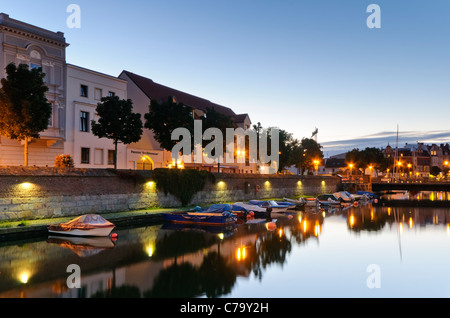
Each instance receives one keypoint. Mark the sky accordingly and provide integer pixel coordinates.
(292, 64)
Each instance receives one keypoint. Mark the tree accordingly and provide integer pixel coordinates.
(163, 118)
(305, 153)
(24, 108)
(435, 171)
(214, 119)
(117, 122)
(362, 159)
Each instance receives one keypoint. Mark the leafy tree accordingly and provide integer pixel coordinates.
(214, 119)
(117, 122)
(362, 159)
(163, 118)
(435, 171)
(24, 109)
(305, 153)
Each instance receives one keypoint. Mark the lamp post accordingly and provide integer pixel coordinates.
(316, 166)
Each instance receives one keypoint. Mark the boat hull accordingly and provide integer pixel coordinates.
(103, 231)
(199, 218)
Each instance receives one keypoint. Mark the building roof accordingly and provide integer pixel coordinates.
(160, 92)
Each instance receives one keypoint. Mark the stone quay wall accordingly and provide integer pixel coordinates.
(31, 193)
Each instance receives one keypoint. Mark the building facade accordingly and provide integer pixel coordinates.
(22, 43)
(85, 88)
(74, 93)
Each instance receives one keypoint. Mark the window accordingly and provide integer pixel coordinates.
(111, 156)
(111, 94)
(85, 155)
(84, 121)
(83, 91)
(98, 94)
(98, 156)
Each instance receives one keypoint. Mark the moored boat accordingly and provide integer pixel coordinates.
(84, 225)
(216, 214)
(250, 208)
(270, 205)
(298, 203)
(329, 200)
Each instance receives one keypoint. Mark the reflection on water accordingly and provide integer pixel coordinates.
(306, 254)
(417, 195)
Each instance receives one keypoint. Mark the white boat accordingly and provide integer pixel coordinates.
(299, 203)
(85, 225)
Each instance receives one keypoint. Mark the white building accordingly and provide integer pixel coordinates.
(22, 43)
(85, 88)
(75, 91)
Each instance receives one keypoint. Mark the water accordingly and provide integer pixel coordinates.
(363, 251)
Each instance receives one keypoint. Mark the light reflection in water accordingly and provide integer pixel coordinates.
(153, 259)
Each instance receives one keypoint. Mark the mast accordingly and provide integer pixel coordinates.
(395, 156)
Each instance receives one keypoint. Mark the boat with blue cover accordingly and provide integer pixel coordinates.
(216, 214)
(270, 205)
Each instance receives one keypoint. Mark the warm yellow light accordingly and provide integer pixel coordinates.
(410, 222)
(24, 277)
(351, 220)
(221, 236)
(25, 185)
(399, 163)
(316, 229)
(241, 253)
(280, 232)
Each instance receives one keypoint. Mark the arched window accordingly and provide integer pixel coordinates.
(144, 163)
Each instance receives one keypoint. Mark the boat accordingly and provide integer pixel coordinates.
(270, 205)
(84, 225)
(257, 211)
(289, 205)
(328, 200)
(298, 203)
(343, 196)
(311, 202)
(216, 214)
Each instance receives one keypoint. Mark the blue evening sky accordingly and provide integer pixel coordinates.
(294, 64)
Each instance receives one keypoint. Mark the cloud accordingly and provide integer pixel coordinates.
(382, 139)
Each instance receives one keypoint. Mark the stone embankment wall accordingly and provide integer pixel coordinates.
(30, 192)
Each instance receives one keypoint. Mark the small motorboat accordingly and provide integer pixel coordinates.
(298, 203)
(328, 200)
(250, 208)
(84, 225)
(270, 205)
(216, 214)
(289, 205)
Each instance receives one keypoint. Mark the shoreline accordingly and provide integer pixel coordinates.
(38, 228)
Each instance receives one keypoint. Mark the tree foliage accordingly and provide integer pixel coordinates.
(117, 122)
(24, 108)
(371, 156)
(163, 118)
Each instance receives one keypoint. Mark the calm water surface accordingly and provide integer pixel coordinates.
(363, 251)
